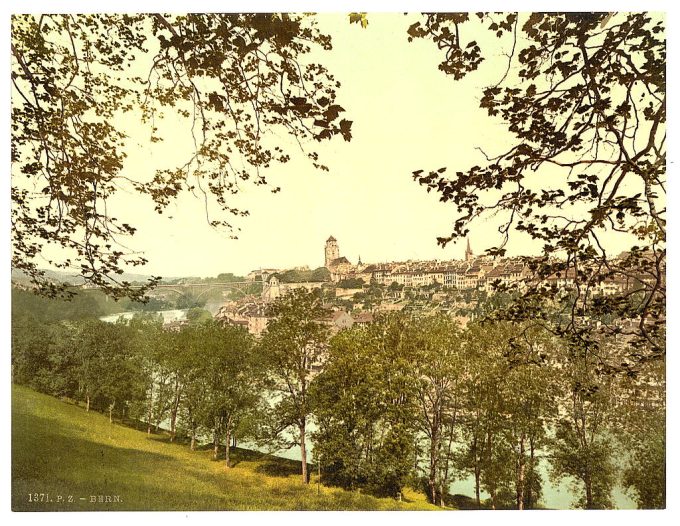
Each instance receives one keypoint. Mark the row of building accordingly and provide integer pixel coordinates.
(482, 273)
(478, 273)
(252, 316)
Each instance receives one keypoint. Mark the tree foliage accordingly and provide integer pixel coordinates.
(584, 98)
(293, 346)
(239, 81)
(436, 348)
(364, 403)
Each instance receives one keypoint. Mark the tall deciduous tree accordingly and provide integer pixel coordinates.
(641, 408)
(293, 345)
(530, 406)
(365, 404)
(110, 370)
(436, 347)
(584, 446)
(583, 96)
(223, 365)
(239, 81)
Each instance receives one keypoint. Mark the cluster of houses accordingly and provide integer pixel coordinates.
(473, 273)
(252, 316)
(480, 273)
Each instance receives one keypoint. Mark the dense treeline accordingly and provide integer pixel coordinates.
(403, 401)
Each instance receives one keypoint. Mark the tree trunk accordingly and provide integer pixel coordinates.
(589, 491)
(111, 414)
(303, 451)
(434, 465)
(531, 475)
(173, 411)
(521, 476)
(477, 473)
(87, 404)
(149, 412)
(415, 456)
(227, 442)
(448, 457)
(440, 496)
(492, 489)
(216, 444)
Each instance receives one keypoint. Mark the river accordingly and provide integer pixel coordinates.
(169, 316)
(559, 496)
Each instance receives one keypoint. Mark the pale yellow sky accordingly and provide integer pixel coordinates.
(407, 116)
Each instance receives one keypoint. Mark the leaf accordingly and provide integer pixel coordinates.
(359, 18)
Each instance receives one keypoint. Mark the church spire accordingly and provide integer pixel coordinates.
(468, 251)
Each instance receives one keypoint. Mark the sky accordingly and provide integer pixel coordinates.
(407, 115)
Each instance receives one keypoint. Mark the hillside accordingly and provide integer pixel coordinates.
(59, 450)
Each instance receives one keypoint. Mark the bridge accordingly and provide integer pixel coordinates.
(200, 289)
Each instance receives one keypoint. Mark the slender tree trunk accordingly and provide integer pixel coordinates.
(173, 411)
(434, 465)
(111, 414)
(216, 443)
(303, 450)
(589, 491)
(492, 488)
(87, 403)
(477, 473)
(521, 475)
(149, 412)
(448, 456)
(531, 475)
(193, 440)
(227, 442)
(440, 496)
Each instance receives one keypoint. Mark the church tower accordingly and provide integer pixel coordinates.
(332, 251)
(468, 251)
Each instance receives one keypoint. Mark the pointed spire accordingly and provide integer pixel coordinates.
(468, 251)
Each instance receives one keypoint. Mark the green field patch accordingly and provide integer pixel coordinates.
(64, 458)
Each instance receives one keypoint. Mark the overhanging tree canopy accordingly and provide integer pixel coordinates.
(240, 81)
(584, 97)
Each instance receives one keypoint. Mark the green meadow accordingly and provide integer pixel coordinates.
(64, 457)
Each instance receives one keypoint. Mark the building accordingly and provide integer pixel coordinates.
(331, 252)
(338, 266)
(250, 315)
(363, 319)
(338, 320)
(468, 252)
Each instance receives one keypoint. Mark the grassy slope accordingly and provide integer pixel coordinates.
(59, 449)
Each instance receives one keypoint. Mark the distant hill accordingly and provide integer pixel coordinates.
(72, 278)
